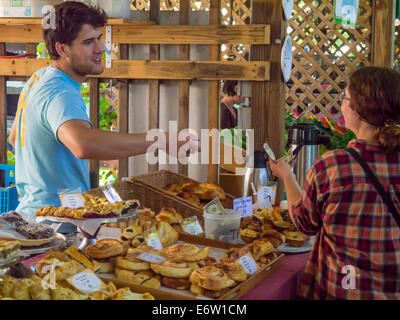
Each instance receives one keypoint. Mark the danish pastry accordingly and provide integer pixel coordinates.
(235, 271)
(130, 262)
(169, 215)
(127, 294)
(187, 252)
(139, 278)
(167, 234)
(172, 269)
(175, 283)
(211, 278)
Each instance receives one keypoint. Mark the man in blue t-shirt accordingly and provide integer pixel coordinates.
(52, 134)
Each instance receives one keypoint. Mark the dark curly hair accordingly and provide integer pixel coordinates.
(70, 16)
(229, 87)
(375, 96)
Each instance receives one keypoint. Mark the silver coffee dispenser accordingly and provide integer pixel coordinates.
(256, 172)
(304, 140)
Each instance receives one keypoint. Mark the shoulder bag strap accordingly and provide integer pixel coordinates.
(376, 183)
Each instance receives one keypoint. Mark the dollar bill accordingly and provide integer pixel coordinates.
(215, 207)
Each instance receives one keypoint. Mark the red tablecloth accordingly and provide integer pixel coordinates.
(283, 283)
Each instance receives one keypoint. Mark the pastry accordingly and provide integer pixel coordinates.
(61, 263)
(130, 262)
(12, 220)
(211, 191)
(211, 278)
(169, 215)
(275, 237)
(9, 248)
(187, 252)
(235, 271)
(173, 269)
(132, 231)
(207, 293)
(295, 238)
(127, 294)
(38, 292)
(261, 247)
(189, 197)
(105, 248)
(36, 231)
(175, 283)
(139, 278)
(167, 234)
(61, 293)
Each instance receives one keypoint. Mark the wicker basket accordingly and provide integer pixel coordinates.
(152, 198)
(160, 179)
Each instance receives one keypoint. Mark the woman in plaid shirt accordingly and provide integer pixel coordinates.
(356, 254)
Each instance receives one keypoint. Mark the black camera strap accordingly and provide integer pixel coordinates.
(378, 186)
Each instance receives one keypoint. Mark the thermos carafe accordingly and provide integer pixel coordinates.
(307, 139)
(256, 172)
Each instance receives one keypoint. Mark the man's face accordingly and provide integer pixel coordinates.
(84, 54)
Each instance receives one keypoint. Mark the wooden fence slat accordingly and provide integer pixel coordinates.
(158, 34)
(213, 95)
(156, 69)
(154, 85)
(184, 54)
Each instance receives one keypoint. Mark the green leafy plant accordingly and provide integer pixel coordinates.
(339, 136)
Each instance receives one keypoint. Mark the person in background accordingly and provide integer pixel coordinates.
(229, 113)
(356, 253)
(52, 134)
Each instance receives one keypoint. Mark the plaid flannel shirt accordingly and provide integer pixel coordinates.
(356, 254)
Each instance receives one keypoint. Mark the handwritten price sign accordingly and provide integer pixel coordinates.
(245, 205)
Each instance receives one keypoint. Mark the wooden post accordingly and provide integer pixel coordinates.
(268, 98)
(154, 85)
(94, 118)
(123, 106)
(184, 54)
(213, 93)
(3, 112)
(382, 34)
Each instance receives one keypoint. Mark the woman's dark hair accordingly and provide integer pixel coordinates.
(70, 16)
(229, 87)
(375, 96)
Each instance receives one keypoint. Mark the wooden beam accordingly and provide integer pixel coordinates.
(3, 112)
(156, 34)
(382, 35)
(184, 54)
(38, 22)
(154, 85)
(268, 98)
(94, 118)
(156, 69)
(123, 106)
(213, 94)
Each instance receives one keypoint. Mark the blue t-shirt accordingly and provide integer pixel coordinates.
(44, 165)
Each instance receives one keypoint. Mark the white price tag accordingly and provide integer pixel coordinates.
(154, 242)
(86, 282)
(266, 194)
(109, 233)
(111, 194)
(245, 205)
(248, 264)
(150, 257)
(72, 200)
(194, 228)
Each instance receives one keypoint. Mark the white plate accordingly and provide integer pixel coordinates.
(307, 246)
